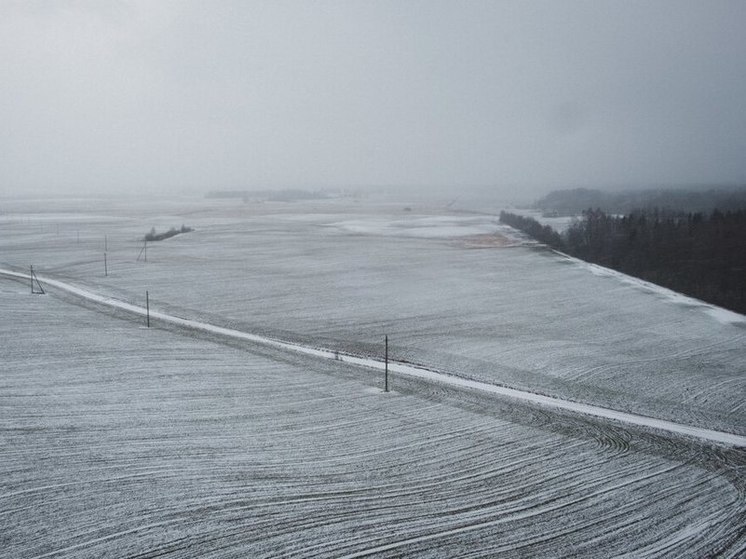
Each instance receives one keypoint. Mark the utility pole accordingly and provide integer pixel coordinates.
(147, 307)
(386, 381)
(106, 268)
(38, 283)
(143, 251)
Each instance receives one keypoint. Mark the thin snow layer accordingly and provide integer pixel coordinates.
(520, 317)
(430, 227)
(403, 369)
(117, 440)
(720, 314)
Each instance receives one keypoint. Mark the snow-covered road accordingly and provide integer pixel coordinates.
(442, 377)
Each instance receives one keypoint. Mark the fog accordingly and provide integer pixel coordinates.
(511, 97)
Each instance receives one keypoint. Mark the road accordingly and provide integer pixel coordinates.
(443, 377)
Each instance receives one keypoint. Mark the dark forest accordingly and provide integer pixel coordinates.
(702, 255)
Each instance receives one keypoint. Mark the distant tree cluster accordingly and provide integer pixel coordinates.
(542, 233)
(574, 201)
(286, 195)
(153, 236)
(701, 255)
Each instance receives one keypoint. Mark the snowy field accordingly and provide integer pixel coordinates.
(127, 442)
(449, 293)
(122, 441)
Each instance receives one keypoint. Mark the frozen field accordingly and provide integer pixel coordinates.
(121, 441)
(127, 442)
(449, 294)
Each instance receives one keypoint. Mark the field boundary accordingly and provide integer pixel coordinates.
(431, 375)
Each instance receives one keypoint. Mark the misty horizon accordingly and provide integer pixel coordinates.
(512, 99)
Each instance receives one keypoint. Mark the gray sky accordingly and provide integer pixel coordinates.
(154, 95)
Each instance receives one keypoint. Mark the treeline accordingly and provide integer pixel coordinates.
(574, 201)
(534, 229)
(698, 254)
(286, 195)
(153, 236)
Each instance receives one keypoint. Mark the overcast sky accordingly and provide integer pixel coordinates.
(154, 95)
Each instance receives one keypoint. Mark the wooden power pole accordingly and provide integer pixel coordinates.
(386, 377)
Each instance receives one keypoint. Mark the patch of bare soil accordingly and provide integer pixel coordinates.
(491, 240)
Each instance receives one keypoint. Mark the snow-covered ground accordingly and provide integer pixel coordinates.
(122, 440)
(117, 440)
(386, 365)
(519, 316)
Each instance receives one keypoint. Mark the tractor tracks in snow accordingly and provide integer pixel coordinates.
(400, 368)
